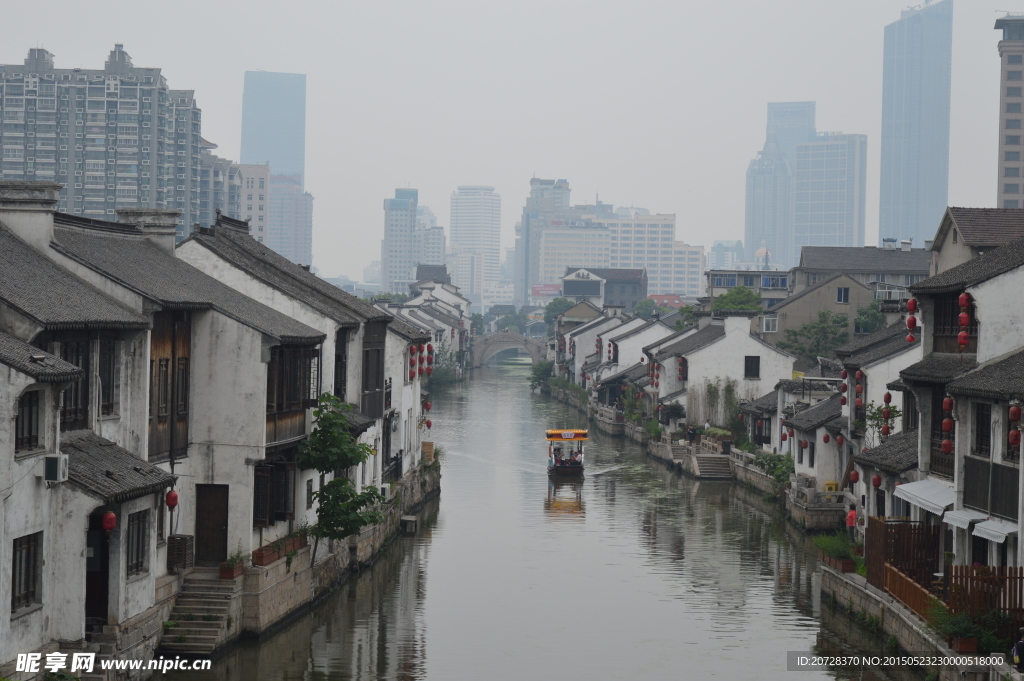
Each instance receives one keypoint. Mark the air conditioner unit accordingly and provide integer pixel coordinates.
(53, 468)
(385, 491)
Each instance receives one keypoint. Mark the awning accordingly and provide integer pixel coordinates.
(930, 495)
(995, 529)
(963, 518)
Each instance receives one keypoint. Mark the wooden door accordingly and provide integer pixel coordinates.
(211, 524)
(97, 572)
(169, 353)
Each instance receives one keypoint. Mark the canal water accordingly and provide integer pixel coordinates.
(636, 573)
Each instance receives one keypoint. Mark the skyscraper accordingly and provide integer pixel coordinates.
(126, 140)
(476, 228)
(915, 122)
(793, 124)
(408, 241)
(769, 210)
(1011, 79)
(274, 133)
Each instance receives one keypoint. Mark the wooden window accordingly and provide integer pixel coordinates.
(1005, 491)
(163, 388)
(752, 367)
(810, 453)
(946, 327)
(27, 560)
(387, 394)
(138, 524)
(293, 378)
(880, 502)
(181, 386)
(261, 496)
(911, 416)
(982, 430)
(26, 427)
(976, 483)
(309, 494)
(941, 464)
(74, 412)
(108, 377)
(161, 513)
(341, 364)
(372, 403)
(283, 491)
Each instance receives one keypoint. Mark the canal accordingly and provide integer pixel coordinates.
(636, 573)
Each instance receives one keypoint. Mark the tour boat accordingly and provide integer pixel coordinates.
(565, 451)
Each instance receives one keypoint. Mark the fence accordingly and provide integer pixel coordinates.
(977, 589)
(911, 547)
(908, 592)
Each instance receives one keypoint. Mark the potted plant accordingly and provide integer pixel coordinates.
(834, 549)
(234, 565)
(267, 554)
(962, 633)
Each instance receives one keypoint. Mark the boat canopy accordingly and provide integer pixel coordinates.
(569, 434)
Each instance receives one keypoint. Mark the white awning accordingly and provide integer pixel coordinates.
(930, 495)
(963, 518)
(995, 529)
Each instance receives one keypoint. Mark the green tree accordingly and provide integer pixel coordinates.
(331, 446)
(540, 373)
(555, 308)
(819, 338)
(477, 321)
(646, 308)
(869, 318)
(516, 323)
(738, 298)
(390, 297)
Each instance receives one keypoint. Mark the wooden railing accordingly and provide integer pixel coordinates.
(978, 589)
(908, 592)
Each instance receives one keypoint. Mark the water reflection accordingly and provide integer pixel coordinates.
(639, 572)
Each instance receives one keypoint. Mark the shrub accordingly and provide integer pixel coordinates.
(834, 545)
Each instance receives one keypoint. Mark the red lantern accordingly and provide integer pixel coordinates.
(109, 521)
(854, 476)
(859, 389)
(430, 359)
(681, 378)
(947, 446)
(887, 398)
(843, 387)
(842, 400)
(843, 374)
(1014, 438)
(947, 425)
(412, 374)
(1015, 413)
(910, 338)
(657, 374)
(426, 406)
(965, 300)
(859, 375)
(740, 416)
(885, 430)
(422, 347)
(655, 384)
(839, 440)
(825, 438)
(911, 322)
(784, 437)
(876, 480)
(964, 319)
(791, 432)
(681, 360)
(422, 360)
(912, 305)
(421, 371)
(962, 339)
(412, 349)
(947, 404)
(171, 499)
(759, 423)
(430, 424)
(430, 346)
(858, 403)
(430, 371)
(886, 413)
(412, 361)
(803, 443)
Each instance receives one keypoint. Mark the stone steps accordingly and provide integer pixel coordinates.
(200, 612)
(714, 467)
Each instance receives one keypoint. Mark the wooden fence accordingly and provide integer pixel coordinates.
(910, 547)
(976, 590)
(908, 592)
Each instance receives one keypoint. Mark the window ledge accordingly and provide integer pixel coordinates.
(27, 610)
(110, 417)
(30, 454)
(137, 578)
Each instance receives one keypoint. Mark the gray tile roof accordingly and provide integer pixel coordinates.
(811, 289)
(816, 415)
(275, 270)
(864, 259)
(1000, 380)
(672, 336)
(108, 471)
(897, 454)
(988, 226)
(767, 403)
(880, 345)
(44, 291)
(633, 373)
(939, 367)
(596, 321)
(639, 329)
(31, 361)
(407, 330)
(141, 266)
(695, 341)
(974, 271)
(358, 422)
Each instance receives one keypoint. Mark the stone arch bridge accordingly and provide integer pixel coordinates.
(485, 347)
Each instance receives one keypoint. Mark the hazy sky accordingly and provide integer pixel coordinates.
(654, 104)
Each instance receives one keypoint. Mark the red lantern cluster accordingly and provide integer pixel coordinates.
(964, 320)
(911, 320)
(1014, 437)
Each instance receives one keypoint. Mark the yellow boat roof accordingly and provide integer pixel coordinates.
(567, 434)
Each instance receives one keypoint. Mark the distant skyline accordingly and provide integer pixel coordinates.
(387, 110)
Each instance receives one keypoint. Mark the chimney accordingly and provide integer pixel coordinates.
(905, 245)
(26, 208)
(889, 243)
(158, 224)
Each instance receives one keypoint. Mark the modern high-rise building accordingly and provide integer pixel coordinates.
(274, 134)
(916, 67)
(1011, 80)
(793, 123)
(769, 209)
(116, 137)
(476, 228)
(254, 199)
(547, 199)
(406, 243)
(829, 192)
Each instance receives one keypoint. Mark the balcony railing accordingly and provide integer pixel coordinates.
(941, 464)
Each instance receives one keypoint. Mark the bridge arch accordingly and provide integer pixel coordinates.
(485, 347)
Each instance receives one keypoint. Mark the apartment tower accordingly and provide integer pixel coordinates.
(1011, 79)
(476, 229)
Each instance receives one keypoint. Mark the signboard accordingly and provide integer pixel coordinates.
(797, 375)
(582, 287)
(545, 290)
